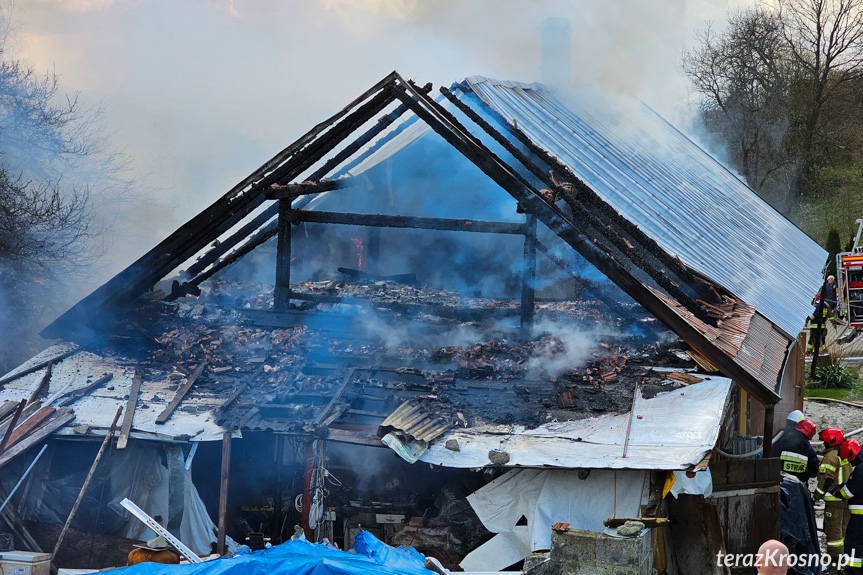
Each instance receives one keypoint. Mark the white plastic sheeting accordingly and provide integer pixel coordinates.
(673, 430)
(545, 497)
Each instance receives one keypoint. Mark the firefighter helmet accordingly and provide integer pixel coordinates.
(807, 428)
(832, 436)
(796, 416)
(849, 450)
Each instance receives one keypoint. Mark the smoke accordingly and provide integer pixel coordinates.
(564, 347)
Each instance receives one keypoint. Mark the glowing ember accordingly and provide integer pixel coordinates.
(358, 245)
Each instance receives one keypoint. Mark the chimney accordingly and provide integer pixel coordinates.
(556, 36)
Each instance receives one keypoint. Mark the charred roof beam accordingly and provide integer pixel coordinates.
(549, 214)
(639, 248)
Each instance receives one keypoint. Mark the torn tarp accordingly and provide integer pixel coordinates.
(299, 557)
(545, 497)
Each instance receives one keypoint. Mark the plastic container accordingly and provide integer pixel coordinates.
(25, 563)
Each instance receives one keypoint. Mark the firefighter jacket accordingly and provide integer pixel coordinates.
(833, 471)
(798, 457)
(853, 491)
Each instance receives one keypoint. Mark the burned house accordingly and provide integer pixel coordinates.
(453, 319)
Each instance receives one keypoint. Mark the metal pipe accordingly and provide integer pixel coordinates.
(23, 477)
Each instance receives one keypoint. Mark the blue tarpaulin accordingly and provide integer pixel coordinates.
(300, 557)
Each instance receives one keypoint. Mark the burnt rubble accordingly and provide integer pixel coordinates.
(322, 378)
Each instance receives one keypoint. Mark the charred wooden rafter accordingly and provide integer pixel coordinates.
(409, 222)
(282, 293)
(639, 248)
(220, 216)
(528, 278)
(293, 191)
(617, 271)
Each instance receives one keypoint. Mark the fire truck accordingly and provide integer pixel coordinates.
(849, 276)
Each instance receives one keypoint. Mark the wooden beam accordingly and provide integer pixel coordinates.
(43, 383)
(293, 191)
(223, 493)
(336, 397)
(223, 214)
(77, 394)
(39, 366)
(8, 436)
(87, 481)
(767, 442)
(181, 393)
(129, 416)
(282, 292)
(225, 246)
(410, 222)
(551, 216)
(528, 278)
(60, 418)
(29, 425)
(263, 235)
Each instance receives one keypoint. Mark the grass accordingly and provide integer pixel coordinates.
(831, 393)
(853, 394)
(838, 204)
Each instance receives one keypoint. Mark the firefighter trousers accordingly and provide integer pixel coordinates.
(836, 518)
(854, 545)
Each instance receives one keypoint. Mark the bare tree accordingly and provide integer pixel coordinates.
(825, 38)
(744, 76)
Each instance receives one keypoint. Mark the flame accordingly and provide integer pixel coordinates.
(358, 245)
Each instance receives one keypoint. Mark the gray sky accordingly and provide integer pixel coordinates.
(201, 92)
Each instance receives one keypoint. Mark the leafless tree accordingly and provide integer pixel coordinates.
(825, 38)
(743, 76)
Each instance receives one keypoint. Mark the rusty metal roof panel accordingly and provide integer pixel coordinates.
(677, 193)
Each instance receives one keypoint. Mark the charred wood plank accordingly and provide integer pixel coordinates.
(7, 408)
(237, 391)
(43, 383)
(181, 394)
(129, 416)
(224, 247)
(39, 366)
(58, 420)
(410, 222)
(329, 407)
(7, 437)
(528, 278)
(293, 191)
(282, 292)
(77, 394)
(552, 217)
(29, 425)
(259, 238)
(87, 481)
(354, 438)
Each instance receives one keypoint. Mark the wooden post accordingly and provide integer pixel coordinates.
(223, 492)
(307, 489)
(12, 425)
(277, 489)
(820, 332)
(528, 277)
(89, 478)
(768, 431)
(283, 257)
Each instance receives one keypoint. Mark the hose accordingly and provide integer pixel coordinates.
(752, 453)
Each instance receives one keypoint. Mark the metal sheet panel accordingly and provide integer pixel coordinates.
(673, 430)
(677, 193)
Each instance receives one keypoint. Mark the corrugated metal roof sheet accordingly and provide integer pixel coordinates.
(414, 420)
(673, 190)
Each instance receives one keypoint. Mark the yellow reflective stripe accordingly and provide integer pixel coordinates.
(839, 543)
(855, 562)
(846, 493)
(819, 490)
(831, 498)
(824, 467)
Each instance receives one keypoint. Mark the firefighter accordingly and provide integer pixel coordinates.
(833, 471)
(796, 453)
(817, 329)
(852, 491)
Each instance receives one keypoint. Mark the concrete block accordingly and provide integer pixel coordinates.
(575, 546)
(619, 552)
